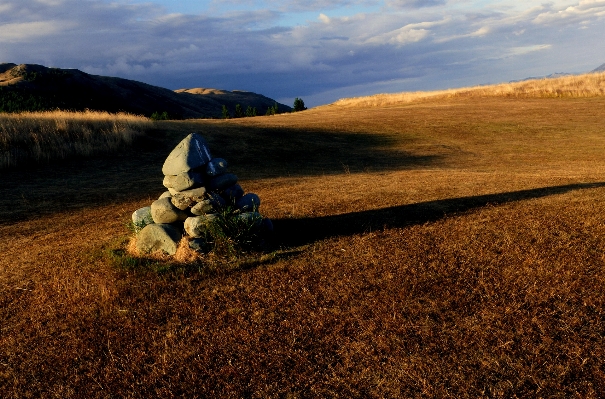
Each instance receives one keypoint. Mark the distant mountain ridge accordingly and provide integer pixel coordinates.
(599, 69)
(551, 76)
(558, 75)
(36, 87)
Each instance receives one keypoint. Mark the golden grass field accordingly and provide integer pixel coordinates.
(43, 136)
(449, 247)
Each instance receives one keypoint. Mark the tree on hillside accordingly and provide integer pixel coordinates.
(239, 113)
(250, 111)
(272, 110)
(226, 112)
(299, 105)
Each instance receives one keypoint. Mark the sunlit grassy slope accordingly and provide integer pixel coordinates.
(587, 85)
(450, 247)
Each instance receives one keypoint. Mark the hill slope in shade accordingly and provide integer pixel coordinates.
(36, 87)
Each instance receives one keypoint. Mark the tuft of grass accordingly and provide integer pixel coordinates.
(41, 137)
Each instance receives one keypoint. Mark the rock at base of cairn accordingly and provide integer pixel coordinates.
(142, 217)
(252, 219)
(163, 211)
(198, 226)
(248, 203)
(156, 237)
(200, 245)
(233, 193)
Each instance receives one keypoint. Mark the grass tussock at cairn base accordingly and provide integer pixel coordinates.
(205, 202)
(587, 85)
(44, 136)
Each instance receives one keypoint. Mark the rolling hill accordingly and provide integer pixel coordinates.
(599, 69)
(36, 87)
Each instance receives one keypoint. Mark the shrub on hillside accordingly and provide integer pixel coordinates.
(157, 116)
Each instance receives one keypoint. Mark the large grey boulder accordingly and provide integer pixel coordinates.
(216, 167)
(155, 237)
(184, 181)
(199, 226)
(191, 153)
(163, 211)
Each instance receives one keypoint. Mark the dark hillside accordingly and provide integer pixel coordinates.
(37, 88)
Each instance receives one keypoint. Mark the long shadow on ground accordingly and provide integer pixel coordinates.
(135, 173)
(294, 232)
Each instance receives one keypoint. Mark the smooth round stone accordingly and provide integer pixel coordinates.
(198, 226)
(221, 182)
(142, 217)
(233, 193)
(165, 194)
(200, 245)
(184, 181)
(203, 207)
(155, 237)
(252, 219)
(248, 203)
(163, 211)
(187, 198)
(216, 167)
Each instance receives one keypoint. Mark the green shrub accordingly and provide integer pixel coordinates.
(229, 232)
(157, 116)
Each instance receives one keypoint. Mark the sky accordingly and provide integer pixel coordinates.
(317, 50)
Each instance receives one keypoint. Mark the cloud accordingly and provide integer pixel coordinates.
(586, 10)
(410, 33)
(414, 3)
(481, 32)
(405, 47)
(324, 18)
(19, 32)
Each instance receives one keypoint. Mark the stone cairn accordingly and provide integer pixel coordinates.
(200, 192)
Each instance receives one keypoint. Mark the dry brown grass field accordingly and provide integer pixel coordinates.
(40, 137)
(445, 248)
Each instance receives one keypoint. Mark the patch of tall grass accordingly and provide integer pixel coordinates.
(45, 136)
(587, 85)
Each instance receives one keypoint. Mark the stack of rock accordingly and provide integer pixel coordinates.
(199, 189)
